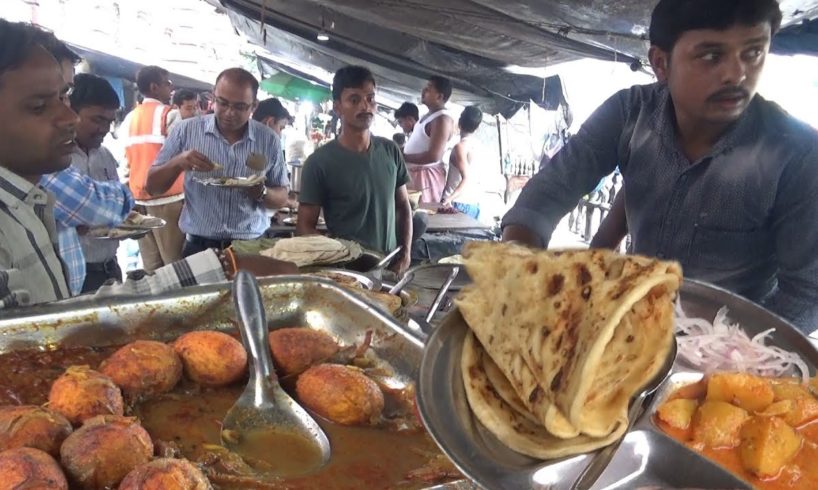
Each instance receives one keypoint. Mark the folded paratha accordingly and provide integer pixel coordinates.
(591, 327)
(513, 428)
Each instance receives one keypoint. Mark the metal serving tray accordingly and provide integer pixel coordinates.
(289, 301)
(646, 458)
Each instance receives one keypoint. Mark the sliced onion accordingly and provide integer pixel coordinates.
(724, 346)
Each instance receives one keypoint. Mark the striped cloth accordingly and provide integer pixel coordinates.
(30, 269)
(217, 212)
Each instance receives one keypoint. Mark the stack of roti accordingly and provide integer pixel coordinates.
(309, 250)
(561, 341)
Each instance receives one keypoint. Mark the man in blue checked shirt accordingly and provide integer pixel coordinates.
(224, 144)
(80, 200)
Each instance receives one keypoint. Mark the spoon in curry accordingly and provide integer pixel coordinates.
(600, 460)
(265, 426)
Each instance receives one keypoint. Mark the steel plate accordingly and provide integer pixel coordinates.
(645, 458)
(289, 301)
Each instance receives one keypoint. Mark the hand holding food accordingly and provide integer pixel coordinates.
(192, 160)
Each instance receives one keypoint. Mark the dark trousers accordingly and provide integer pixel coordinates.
(195, 244)
(98, 273)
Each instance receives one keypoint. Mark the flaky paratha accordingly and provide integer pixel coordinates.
(512, 428)
(592, 326)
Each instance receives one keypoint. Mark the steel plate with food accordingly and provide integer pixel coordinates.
(133, 392)
(525, 416)
(234, 182)
(138, 221)
(116, 233)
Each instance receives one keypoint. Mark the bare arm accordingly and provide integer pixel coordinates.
(460, 160)
(276, 197)
(403, 225)
(522, 235)
(614, 227)
(307, 219)
(441, 130)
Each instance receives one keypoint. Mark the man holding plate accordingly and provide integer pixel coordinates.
(233, 168)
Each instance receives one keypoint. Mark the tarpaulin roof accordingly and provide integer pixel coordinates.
(470, 41)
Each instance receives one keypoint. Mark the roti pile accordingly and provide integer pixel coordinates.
(561, 341)
(309, 250)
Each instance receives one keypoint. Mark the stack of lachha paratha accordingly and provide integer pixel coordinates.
(561, 341)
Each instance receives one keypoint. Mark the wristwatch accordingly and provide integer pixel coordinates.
(261, 196)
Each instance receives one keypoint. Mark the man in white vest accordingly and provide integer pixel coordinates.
(427, 145)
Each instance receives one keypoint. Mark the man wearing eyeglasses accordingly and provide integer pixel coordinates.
(226, 143)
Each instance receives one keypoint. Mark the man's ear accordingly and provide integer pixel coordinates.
(660, 62)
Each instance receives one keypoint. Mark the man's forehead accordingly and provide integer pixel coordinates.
(39, 74)
(368, 88)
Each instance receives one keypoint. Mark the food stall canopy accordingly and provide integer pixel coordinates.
(114, 66)
(294, 88)
(473, 42)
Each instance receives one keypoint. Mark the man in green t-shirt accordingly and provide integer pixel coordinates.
(359, 179)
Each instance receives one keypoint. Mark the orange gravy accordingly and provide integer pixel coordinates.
(799, 474)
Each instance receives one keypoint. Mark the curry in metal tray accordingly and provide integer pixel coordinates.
(381, 445)
(764, 429)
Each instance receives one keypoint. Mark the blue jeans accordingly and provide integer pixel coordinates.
(472, 210)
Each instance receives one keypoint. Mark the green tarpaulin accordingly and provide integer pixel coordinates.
(289, 87)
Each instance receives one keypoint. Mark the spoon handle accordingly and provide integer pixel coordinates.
(253, 328)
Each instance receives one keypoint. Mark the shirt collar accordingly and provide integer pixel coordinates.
(151, 99)
(211, 128)
(15, 190)
(741, 130)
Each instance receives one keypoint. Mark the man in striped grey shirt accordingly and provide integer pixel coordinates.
(224, 144)
(33, 94)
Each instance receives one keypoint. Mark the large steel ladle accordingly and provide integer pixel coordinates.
(264, 405)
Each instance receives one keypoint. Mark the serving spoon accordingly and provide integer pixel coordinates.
(600, 460)
(264, 407)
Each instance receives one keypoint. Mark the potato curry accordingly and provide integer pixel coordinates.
(762, 429)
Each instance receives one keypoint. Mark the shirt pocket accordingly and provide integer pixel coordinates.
(728, 250)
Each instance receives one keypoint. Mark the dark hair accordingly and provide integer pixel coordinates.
(92, 90)
(241, 76)
(271, 107)
(350, 77)
(183, 94)
(407, 109)
(470, 119)
(672, 18)
(18, 39)
(148, 75)
(399, 139)
(57, 48)
(442, 85)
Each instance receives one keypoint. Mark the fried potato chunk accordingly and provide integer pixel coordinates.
(81, 393)
(744, 390)
(33, 426)
(26, 467)
(717, 424)
(342, 394)
(296, 349)
(211, 358)
(99, 454)
(166, 474)
(767, 444)
(143, 368)
(789, 391)
(678, 413)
